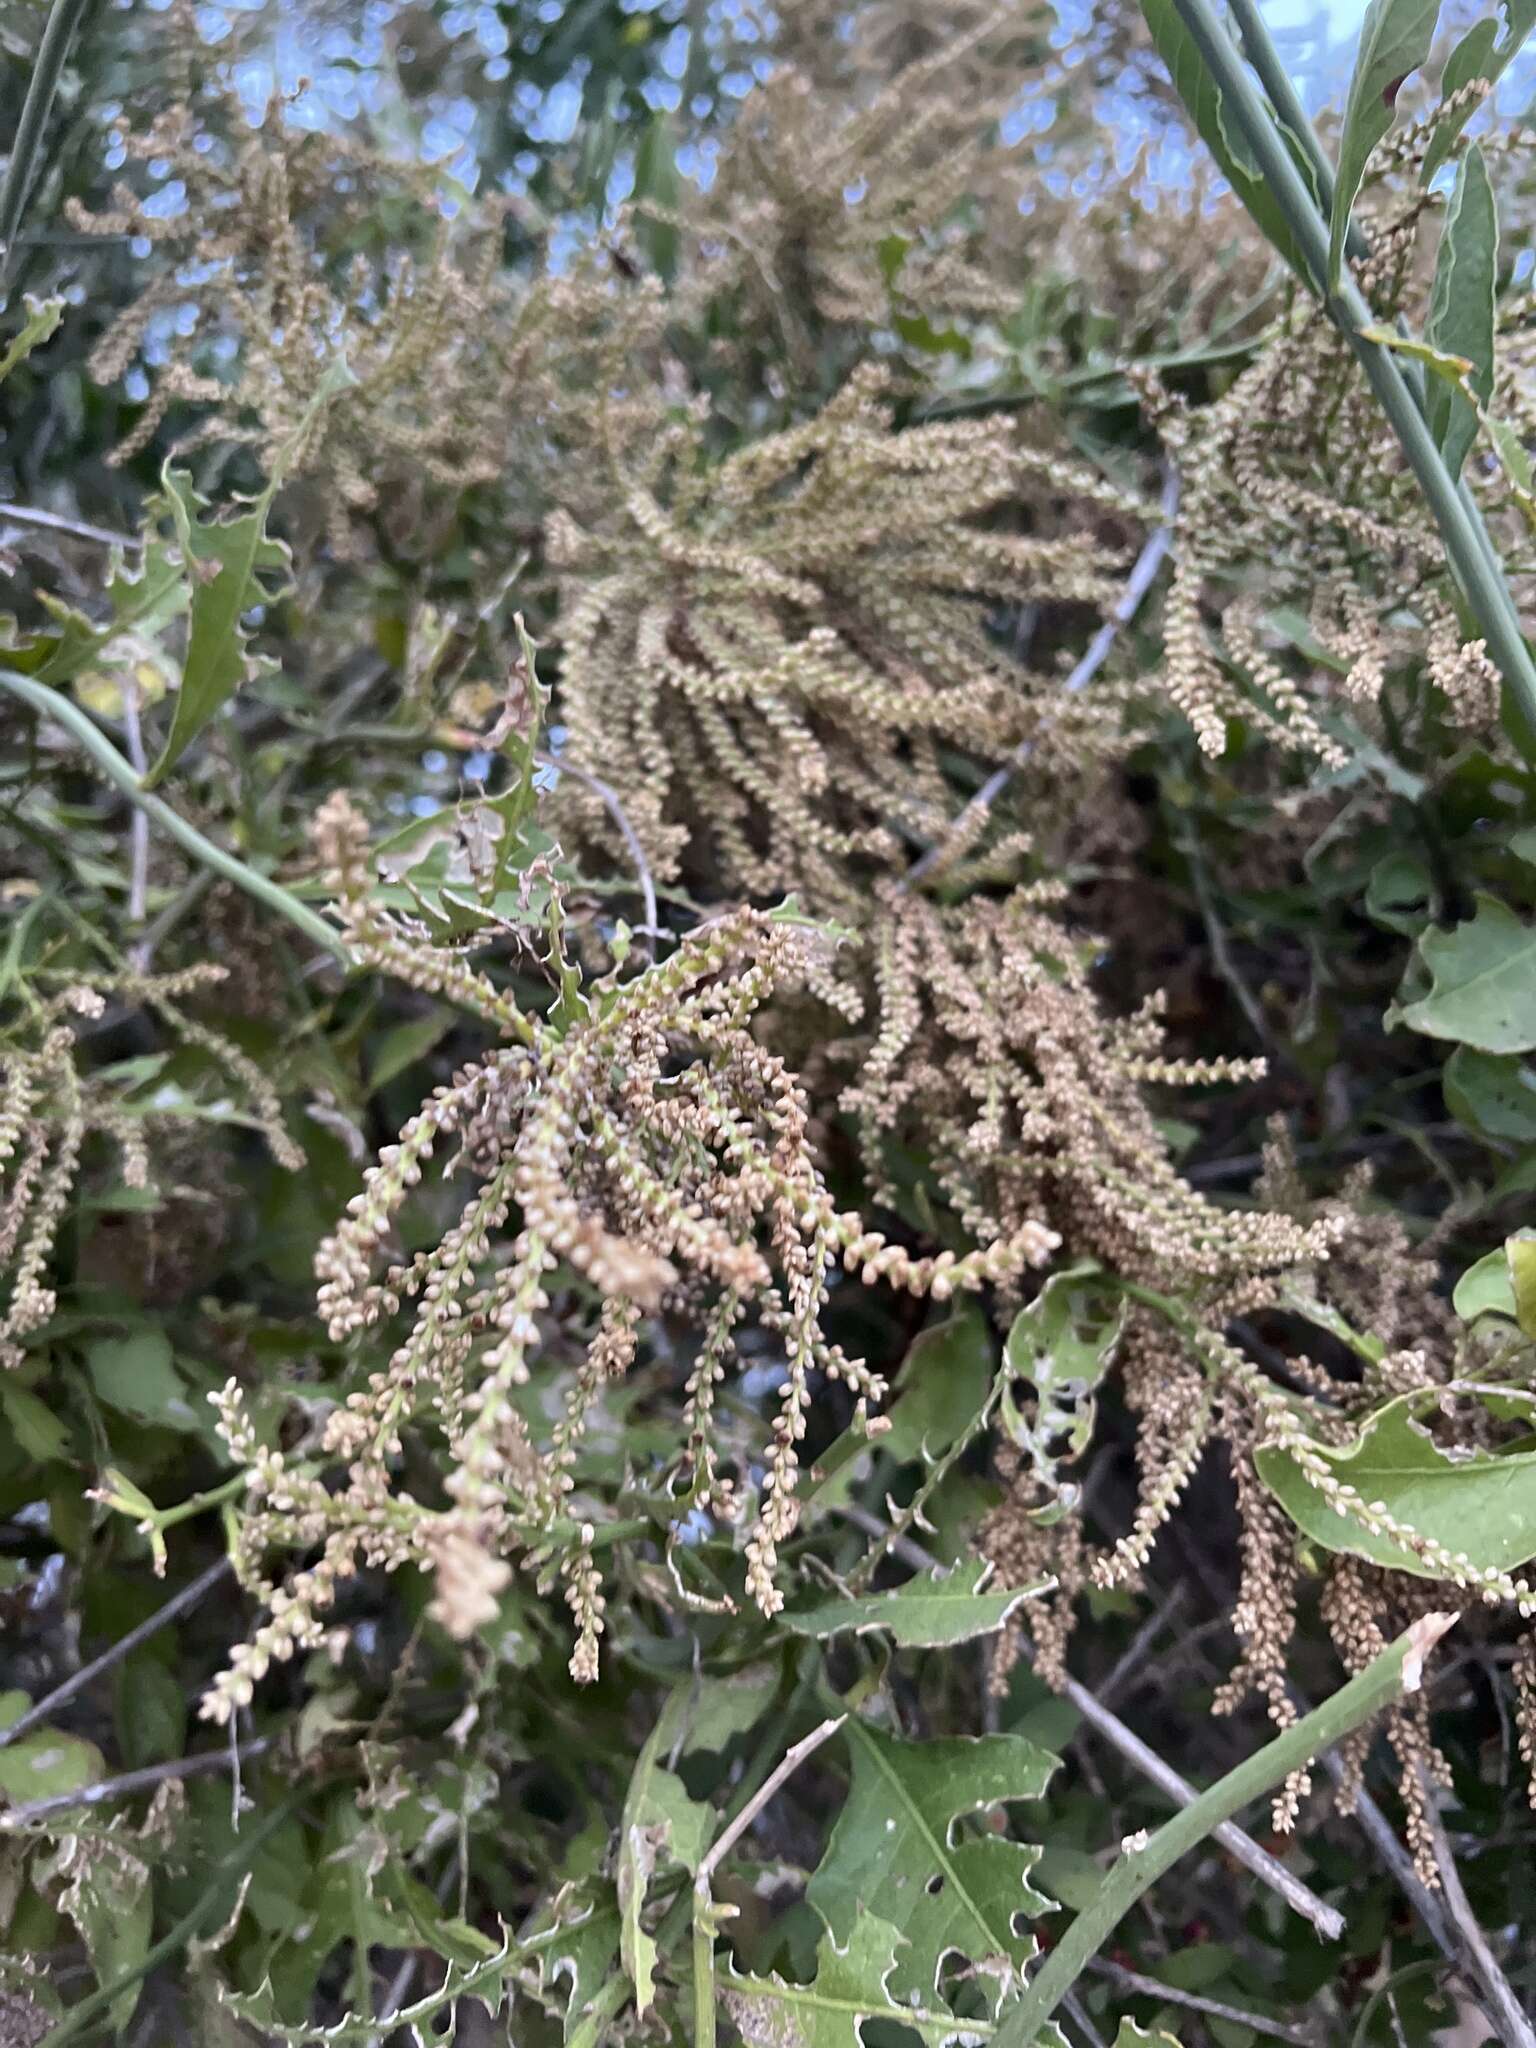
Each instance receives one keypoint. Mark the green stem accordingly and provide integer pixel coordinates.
(1276, 81)
(1467, 548)
(50, 704)
(215, 1893)
(64, 18)
(1396, 1671)
(703, 1977)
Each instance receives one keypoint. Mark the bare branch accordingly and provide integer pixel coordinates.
(1495, 1993)
(610, 802)
(1150, 1987)
(784, 1770)
(204, 1763)
(80, 529)
(1139, 582)
(178, 1604)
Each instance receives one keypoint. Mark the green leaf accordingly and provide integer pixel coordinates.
(711, 1714)
(944, 1380)
(1484, 982)
(43, 317)
(1475, 57)
(1485, 1289)
(40, 1433)
(1520, 1250)
(661, 1825)
(851, 1986)
(1394, 41)
(401, 1048)
(902, 1850)
(223, 559)
(1477, 1503)
(45, 1762)
(1491, 1093)
(1461, 313)
(136, 1375)
(1203, 101)
(575, 1946)
(149, 1708)
(657, 181)
(1400, 893)
(927, 1613)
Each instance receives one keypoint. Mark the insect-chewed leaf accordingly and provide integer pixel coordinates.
(1484, 982)
(902, 1849)
(933, 1611)
(1063, 1344)
(1474, 1503)
(851, 1986)
(1394, 41)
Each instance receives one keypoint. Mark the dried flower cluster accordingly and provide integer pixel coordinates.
(51, 1108)
(639, 1138)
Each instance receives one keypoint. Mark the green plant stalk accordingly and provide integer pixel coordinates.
(1261, 53)
(50, 704)
(230, 1867)
(1468, 550)
(1395, 1672)
(64, 17)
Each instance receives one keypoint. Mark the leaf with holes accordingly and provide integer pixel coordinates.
(1394, 41)
(931, 1612)
(1479, 1504)
(853, 1984)
(907, 1848)
(1063, 1343)
(1484, 982)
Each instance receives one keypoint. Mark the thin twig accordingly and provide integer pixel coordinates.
(202, 1764)
(1125, 1666)
(1139, 582)
(1496, 1995)
(1258, 1862)
(780, 1775)
(178, 1604)
(611, 804)
(138, 828)
(1144, 1859)
(79, 529)
(730, 1835)
(1150, 1987)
